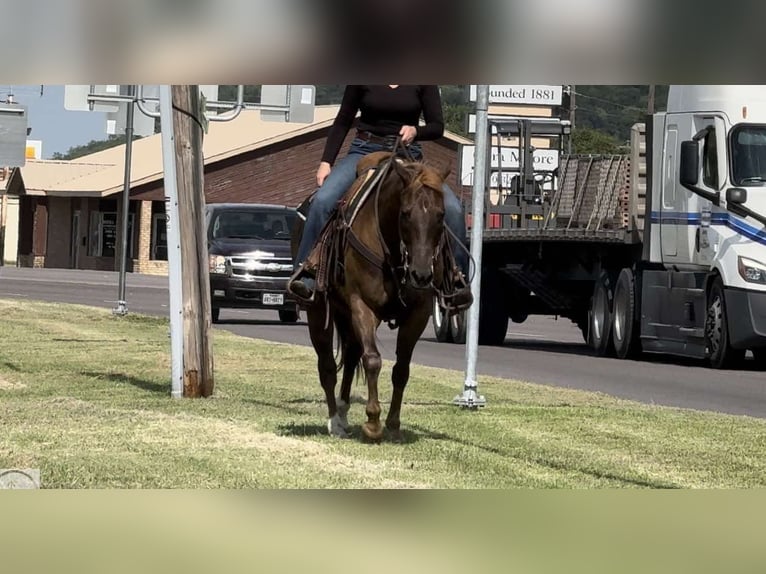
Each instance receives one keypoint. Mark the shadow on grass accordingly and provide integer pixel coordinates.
(411, 434)
(150, 386)
(302, 430)
(11, 366)
(90, 340)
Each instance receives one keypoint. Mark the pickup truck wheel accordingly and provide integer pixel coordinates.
(441, 323)
(457, 326)
(719, 351)
(288, 315)
(216, 314)
(625, 322)
(600, 317)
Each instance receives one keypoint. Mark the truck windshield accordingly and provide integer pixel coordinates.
(252, 224)
(748, 151)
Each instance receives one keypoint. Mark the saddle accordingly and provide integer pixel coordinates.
(326, 259)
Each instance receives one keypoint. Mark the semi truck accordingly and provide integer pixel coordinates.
(661, 250)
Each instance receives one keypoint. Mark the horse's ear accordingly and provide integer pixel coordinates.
(401, 171)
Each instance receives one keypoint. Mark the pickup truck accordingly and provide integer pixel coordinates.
(249, 258)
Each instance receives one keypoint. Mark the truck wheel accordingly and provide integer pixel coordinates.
(600, 317)
(719, 351)
(493, 317)
(288, 315)
(625, 321)
(457, 327)
(216, 314)
(759, 358)
(441, 323)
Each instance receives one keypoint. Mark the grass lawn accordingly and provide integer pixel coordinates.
(84, 397)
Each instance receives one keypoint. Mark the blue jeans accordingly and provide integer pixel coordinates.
(341, 178)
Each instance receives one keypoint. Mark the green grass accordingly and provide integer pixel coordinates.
(84, 396)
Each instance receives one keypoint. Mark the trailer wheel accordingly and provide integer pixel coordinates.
(720, 353)
(600, 317)
(493, 314)
(440, 322)
(457, 327)
(625, 322)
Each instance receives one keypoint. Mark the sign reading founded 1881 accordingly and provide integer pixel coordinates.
(529, 95)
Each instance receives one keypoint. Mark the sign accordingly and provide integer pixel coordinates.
(300, 99)
(13, 135)
(530, 95)
(76, 98)
(34, 149)
(544, 159)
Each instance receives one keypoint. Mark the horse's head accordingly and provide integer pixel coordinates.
(421, 220)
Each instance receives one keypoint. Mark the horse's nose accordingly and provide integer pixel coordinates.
(421, 279)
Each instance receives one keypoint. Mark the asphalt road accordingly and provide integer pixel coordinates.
(541, 350)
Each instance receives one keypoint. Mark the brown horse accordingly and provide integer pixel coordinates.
(391, 269)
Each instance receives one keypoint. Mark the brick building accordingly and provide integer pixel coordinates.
(70, 211)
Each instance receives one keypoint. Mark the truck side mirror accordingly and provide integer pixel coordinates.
(736, 196)
(690, 163)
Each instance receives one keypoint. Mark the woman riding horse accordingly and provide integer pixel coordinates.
(385, 266)
(386, 112)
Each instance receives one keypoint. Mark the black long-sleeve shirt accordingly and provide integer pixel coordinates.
(384, 111)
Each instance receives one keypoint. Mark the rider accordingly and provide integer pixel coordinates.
(386, 112)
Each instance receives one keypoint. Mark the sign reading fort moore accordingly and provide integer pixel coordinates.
(544, 159)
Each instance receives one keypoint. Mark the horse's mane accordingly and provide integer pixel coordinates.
(426, 176)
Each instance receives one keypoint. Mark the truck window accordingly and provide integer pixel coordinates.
(748, 155)
(252, 224)
(710, 161)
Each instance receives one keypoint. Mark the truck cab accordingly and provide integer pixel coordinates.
(704, 280)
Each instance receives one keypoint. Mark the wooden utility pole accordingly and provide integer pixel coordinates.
(650, 103)
(197, 319)
(572, 111)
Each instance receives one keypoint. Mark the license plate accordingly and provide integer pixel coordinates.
(272, 299)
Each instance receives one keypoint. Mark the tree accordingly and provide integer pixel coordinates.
(591, 141)
(92, 146)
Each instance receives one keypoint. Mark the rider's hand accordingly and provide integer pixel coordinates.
(322, 173)
(408, 134)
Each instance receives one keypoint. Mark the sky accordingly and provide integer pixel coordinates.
(59, 129)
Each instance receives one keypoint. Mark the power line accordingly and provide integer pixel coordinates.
(633, 108)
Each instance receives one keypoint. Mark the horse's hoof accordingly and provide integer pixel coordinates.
(396, 436)
(336, 429)
(342, 415)
(373, 431)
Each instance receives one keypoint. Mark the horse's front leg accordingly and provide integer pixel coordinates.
(410, 331)
(322, 339)
(365, 324)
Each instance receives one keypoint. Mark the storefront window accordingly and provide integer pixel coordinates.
(104, 236)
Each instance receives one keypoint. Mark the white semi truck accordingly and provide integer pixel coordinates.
(662, 250)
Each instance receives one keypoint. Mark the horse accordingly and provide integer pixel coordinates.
(390, 268)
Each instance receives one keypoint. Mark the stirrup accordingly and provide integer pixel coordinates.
(297, 276)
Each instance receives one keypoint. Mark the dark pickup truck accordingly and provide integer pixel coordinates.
(249, 258)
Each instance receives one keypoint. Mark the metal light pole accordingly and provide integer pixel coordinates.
(122, 305)
(470, 397)
(174, 243)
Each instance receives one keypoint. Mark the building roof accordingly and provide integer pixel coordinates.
(102, 173)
